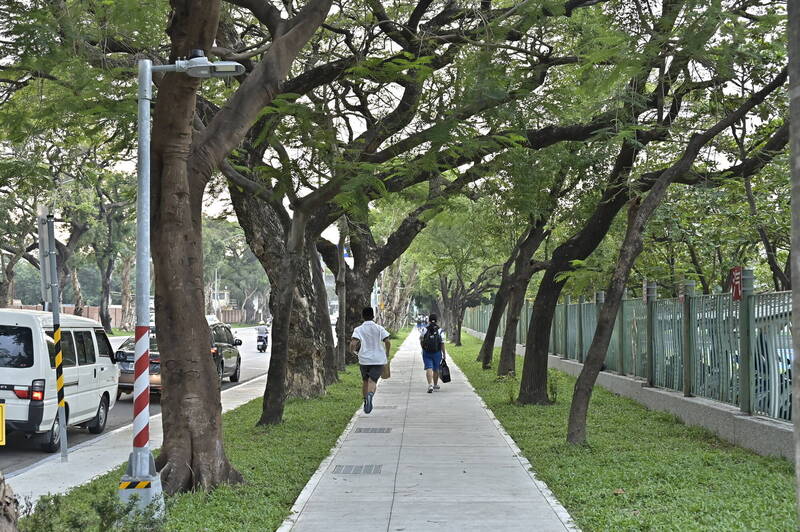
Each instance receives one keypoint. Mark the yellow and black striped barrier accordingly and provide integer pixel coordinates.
(59, 364)
(134, 485)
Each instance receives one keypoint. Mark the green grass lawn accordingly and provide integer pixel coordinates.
(276, 463)
(642, 470)
(120, 332)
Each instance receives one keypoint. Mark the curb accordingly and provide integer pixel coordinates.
(558, 508)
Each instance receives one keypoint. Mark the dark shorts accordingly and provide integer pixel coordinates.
(432, 360)
(372, 372)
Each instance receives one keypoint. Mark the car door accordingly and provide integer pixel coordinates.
(231, 353)
(87, 374)
(69, 367)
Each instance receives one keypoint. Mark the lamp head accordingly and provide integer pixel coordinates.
(198, 66)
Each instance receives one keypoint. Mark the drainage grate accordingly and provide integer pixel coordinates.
(374, 430)
(368, 469)
(384, 407)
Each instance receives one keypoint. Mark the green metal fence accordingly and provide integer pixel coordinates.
(716, 332)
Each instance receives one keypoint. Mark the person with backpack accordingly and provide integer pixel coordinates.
(366, 340)
(432, 341)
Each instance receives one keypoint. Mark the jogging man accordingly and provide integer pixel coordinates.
(367, 339)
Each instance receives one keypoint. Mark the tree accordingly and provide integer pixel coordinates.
(183, 161)
(639, 211)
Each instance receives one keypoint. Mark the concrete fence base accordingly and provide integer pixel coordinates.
(765, 436)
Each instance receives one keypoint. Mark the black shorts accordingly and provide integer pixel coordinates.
(372, 371)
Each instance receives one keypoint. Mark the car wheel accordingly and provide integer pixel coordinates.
(221, 370)
(51, 441)
(236, 374)
(98, 424)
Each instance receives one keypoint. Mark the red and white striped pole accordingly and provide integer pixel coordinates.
(141, 388)
(141, 480)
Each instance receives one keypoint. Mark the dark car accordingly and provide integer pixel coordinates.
(223, 349)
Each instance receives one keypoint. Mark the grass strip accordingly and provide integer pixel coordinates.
(276, 463)
(642, 470)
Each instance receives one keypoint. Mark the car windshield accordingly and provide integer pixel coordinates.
(129, 344)
(16, 347)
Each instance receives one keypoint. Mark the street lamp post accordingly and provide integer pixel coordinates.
(141, 479)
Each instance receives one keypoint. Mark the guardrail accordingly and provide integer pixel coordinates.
(653, 340)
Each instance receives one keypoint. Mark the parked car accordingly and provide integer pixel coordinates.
(223, 348)
(28, 375)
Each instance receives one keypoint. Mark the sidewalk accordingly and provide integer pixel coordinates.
(100, 455)
(424, 461)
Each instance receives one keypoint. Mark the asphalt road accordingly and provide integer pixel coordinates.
(19, 453)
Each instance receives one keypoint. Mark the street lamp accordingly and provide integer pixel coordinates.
(141, 479)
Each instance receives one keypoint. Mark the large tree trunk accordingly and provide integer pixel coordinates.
(359, 292)
(486, 353)
(508, 351)
(106, 269)
(533, 385)
(323, 316)
(128, 315)
(192, 455)
(9, 507)
(77, 294)
(306, 344)
(341, 291)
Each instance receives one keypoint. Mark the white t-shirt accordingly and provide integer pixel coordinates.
(425, 329)
(371, 335)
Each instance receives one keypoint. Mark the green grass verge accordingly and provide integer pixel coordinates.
(276, 463)
(120, 332)
(642, 470)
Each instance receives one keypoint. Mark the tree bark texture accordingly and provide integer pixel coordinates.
(77, 293)
(264, 231)
(128, 315)
(322, 313)
(508, 349)
(486, 354)
(193, 455)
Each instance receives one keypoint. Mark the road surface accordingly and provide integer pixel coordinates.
(19, 453)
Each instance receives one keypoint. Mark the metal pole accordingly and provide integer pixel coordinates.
(55, 305)
(567, 300)
(688, 337)
(745, 342)
(652, 289)
(141, 479)
(579, 342)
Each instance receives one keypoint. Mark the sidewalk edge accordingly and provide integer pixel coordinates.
(562, 513)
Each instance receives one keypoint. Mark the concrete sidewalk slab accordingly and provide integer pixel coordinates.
(422, 461)
(103, 454)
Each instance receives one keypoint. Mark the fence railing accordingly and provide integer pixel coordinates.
(705, 332)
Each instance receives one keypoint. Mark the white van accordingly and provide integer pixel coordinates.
(28, 375)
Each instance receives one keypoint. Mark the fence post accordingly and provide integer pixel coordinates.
(746, 319)
(688, 337)
(579, 339)
(567, 300)
(649, 367)
(621, 335)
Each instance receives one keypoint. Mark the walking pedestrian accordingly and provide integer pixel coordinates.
(432, 342)
(366, 340)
